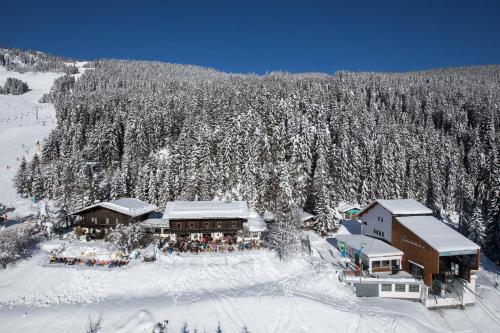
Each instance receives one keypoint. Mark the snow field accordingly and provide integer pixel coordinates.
(249, 288)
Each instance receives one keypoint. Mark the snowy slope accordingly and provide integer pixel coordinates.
(19, 127)
(252, 289)
(23, 122)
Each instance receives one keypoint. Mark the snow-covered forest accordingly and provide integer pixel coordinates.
(161, 132)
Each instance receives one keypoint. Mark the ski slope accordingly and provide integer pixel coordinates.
(23, 122)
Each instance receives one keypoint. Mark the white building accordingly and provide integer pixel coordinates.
(377, 217)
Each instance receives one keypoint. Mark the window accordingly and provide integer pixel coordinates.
(207, 224)
(107, 220)
(234, 224)
(414, 288)
(381, 219)
(94, 220)
(117, 221)
(382, 234)
(219, 225)
(386, 263)
(157, 231)
(386, 287)
(400, 288)
(191, 225)
(375, 231)
(378, 218)
(178, 225)
(375, 264)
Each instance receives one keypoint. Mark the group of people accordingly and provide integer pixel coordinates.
(195, 246)
(88, 262)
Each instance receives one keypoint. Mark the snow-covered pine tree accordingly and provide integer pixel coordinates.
(326, 219)
(284, 234)
(36, 178)
(477, 228)
(21, 179)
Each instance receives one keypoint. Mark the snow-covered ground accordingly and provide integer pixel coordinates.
(252, 289)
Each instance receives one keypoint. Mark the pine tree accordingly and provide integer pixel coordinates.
(326, 219)
(37, 181)
(284, 234)
(476, 227)
(21, 179)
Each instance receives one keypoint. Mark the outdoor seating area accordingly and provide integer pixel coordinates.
(206, 245)
(88, 262)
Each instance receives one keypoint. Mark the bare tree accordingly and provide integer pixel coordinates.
(94, 325)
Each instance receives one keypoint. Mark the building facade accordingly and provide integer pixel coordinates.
(104, 216)
(432, 250)
(207, 220)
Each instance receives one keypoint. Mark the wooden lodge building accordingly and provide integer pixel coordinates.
(193, 220)
(432, 250)
(211, 220)
(104, 216)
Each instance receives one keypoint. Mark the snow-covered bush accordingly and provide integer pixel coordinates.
(128, 237)
(14, 86)
(14, 244)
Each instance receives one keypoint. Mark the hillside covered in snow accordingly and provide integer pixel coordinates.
(161, 132)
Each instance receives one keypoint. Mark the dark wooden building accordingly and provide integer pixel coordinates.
(433, 250)
(104, 216)
(203, 219)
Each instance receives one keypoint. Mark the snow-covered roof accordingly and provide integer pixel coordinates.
(304, 216)
(373, 248)
(178, 210)
(156, 223)
(255, 222)
(128, 206)
(399, 207)
(345, 206)
(437, 234)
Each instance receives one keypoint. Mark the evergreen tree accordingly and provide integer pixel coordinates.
(476, 227)
(21, 179)
(284, 234)
(326, 219)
